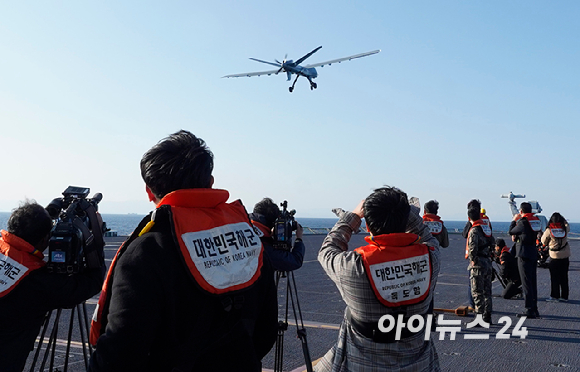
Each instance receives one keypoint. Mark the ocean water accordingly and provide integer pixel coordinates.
(124, 224)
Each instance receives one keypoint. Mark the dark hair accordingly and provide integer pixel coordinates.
(474, 204)
(526, 207)
(386, 211)
(30, 221)
(500, 242)
(473, 214)
(267, 208)
(180, 161)
(474, 209)
(558, 218)
(432, 206)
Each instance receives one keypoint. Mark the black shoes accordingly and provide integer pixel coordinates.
(530, 314)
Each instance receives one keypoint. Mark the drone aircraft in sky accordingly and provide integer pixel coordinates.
(293, 67)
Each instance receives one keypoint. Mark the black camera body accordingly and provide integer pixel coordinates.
(283, 227)
(76, 240)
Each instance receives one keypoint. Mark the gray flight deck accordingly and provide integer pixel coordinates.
(552, 342)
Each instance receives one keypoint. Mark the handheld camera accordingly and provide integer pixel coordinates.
(283, 227)
(76, 240)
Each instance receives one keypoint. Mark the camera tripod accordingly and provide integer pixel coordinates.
(291, 294)
(496, 275)
(83, 324)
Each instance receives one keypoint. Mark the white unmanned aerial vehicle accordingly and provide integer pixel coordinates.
(291, 67)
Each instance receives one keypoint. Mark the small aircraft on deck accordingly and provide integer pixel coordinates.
(293, 67)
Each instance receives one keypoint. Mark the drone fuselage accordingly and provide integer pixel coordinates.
(307, 72)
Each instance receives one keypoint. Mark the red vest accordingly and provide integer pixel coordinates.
(486, 231)
(398, 268)
(217, 241)
(503, 250)
(18, 258)
(263, 230)
(534, 221)
(434, 223)
(557, 230)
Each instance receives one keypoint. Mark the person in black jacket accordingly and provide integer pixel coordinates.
(27, 290)
(527, 254)
(190, 290)
(263, 217)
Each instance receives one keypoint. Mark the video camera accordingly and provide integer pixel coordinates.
(283, 227)
(76, 240)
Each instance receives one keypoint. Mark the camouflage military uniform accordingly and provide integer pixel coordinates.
(479, 250)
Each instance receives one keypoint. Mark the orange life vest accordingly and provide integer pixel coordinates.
(484, 227)
(503, 250)
(398, 268)
(263, 230)
(18, 258)
(557, 230)
(220, 247)
(434, 223)
(534, 221)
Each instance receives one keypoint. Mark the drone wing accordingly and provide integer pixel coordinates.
(299, 61)
(249, 74)
(321, 64)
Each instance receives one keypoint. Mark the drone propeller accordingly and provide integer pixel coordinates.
(281, 64)
(266, 62)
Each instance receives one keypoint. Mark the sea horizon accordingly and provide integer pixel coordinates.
(123, 224)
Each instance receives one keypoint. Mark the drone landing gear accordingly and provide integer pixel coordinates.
(294, 83)
(312, 84)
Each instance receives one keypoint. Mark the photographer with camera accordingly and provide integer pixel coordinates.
(28, 288)
(397, 234)
(285, 258)
(190, 289)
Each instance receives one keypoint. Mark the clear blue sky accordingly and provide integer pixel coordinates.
(468, 99)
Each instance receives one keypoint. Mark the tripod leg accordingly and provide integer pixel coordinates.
(87, 327)
(41, 340)
(282, 327)
(70, 329)
(51, 343)
(279, 354)
(82, 330)
(300, 330)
